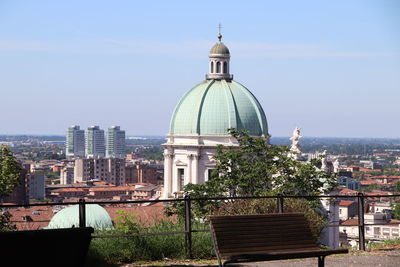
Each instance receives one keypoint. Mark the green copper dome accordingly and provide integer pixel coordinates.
(96, 217)
(214, 106)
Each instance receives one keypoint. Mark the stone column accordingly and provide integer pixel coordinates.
(195, 177)
(189, 169)
(168, 160)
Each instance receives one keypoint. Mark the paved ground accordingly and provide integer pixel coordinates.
(367, 259)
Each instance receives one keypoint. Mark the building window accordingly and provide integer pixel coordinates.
(225, 67)
(395, 232)
(181, 178)
(377, 231)
(212, 67)
(386, 231)
(218, 67)
(210, 175)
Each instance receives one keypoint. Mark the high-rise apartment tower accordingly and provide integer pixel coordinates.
(95, 142)
(115, 142)
(75, 146)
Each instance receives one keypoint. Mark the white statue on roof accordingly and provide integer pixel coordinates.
(295, 147)
(336, 164)
(324, 165)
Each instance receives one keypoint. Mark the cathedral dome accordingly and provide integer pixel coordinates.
(214, 106)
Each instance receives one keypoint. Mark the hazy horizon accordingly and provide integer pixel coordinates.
(165, 136)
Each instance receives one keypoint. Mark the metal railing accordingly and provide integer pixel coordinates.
(188, 220)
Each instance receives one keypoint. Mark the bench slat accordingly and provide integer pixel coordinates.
(265, 229)
(273, 236)
(260, 224)
(269, 243)
(263, 249)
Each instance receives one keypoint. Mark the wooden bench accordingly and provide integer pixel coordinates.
(246, 238)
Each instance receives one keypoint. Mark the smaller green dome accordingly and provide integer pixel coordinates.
(96, 217)
(219, 48)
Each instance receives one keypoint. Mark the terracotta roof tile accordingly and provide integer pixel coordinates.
(345, 203)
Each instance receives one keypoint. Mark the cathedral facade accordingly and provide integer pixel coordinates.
(201, 121)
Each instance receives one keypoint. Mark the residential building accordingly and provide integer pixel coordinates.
(381, 207)
(64, 193)
(67, 174)
(111, 170)
(146, 192)
(384, 228)
(115, 142)
(75, 144)
(142, 173)
(347, 209)
(349, 182)
(36, 184)
(94, 142)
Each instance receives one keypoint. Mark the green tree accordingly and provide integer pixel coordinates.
(397, 186)
(10, 171)
(396, 210)
(255, 168)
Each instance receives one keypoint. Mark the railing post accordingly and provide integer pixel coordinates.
(361, 226)
(279, 203)
(82, 213)
(188, 227)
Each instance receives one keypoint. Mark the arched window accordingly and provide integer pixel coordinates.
(212, 67)
(225, 67)
(218, 67)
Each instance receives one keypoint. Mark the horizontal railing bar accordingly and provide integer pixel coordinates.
(142, 234)
(91, 202)
(182, 199)
(149, 234)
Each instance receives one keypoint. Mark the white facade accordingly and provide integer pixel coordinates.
(67, 174)
(330, 235)
(75, 143)
(381, 231)
(115, 142)
(94, 142)
(189, 159)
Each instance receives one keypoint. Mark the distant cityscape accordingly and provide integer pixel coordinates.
(63, 168)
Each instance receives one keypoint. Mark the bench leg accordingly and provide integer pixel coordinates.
(321, 261)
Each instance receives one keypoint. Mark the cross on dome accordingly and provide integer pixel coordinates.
(219, 32)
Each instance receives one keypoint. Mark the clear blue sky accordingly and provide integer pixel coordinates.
(329, 67)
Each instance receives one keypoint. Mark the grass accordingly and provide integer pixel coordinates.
(386, 244)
